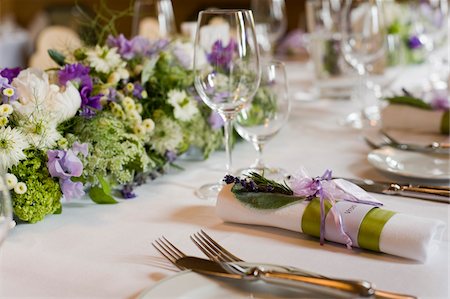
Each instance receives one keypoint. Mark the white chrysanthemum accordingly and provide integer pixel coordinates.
(20, 188)
(184, 106)
(12, 144)
(11, 181)
(6, 109)
(167, 135)
(139, 130)
(148, 124)
(40, 131)
(104, 59)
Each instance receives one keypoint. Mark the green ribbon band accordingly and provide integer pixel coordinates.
(369, 231)
(445, 123)
(371, 227)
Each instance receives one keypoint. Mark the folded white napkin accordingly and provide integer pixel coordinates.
(403, 235)
(404, 117)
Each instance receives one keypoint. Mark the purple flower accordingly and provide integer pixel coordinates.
(127, 191)
(77, 73)
(123, 45)
(64, 164)
(137, 91)
(89, 103)
(10, 73)
(112, 95)
(171, 156)
(221, 56)
(293, 43)
(80, 148)
(440, 100)
(71, 189)
(414, 42)
(215, 121)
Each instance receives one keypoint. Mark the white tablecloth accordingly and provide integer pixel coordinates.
(104, 251)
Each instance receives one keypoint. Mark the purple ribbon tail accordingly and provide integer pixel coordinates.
(322, 220)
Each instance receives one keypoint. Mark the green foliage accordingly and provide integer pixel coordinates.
(264, 200)
(57, 57)
(409, 101)
(114, 154)
(43, 194)
(263, 106)
(205, 137)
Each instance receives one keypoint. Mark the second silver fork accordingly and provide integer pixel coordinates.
(214, 251)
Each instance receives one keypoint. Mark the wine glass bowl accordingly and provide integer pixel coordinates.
(226, 70)
(264, 117)
(363, 44)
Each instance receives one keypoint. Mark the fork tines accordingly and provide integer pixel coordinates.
(212, 249)
(168, 250)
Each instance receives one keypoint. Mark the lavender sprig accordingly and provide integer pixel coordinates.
(255, 182)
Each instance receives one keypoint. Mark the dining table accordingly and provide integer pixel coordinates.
(105, 251)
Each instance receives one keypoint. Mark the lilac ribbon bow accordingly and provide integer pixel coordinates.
(325, 188)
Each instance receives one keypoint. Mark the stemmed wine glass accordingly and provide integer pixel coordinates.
(229, 76)
(271, 22)
(430, 29)
(153, 19)
(5, 209)
(363, 43)
(264, 117)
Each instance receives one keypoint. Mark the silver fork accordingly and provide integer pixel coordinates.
(169, 251)
(214, 251)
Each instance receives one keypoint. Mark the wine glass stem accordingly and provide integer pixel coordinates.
(362, 89)
(228, 131)
(259, 164)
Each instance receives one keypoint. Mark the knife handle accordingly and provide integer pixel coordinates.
(426, 193)
(336, 286)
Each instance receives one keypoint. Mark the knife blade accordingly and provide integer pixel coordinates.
(337, 287)
(434, 193)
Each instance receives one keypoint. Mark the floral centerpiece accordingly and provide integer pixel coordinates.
(109, 117)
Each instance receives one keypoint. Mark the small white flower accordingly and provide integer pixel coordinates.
(167, 135)
(134, 116)
(6, 109)
(139, 108)
(184, 106)
(20, 188)
(130, 87)
(124, 74)
(11, 181)
(9, 92)
(12, 144)
(148, 124)
(104, 59)
(114, 78)
(41, 131)
(139, 130)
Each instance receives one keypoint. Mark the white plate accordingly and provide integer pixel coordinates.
(187, 285)
(411, 164)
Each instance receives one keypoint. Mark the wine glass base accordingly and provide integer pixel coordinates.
(209, 191)
(357, 121)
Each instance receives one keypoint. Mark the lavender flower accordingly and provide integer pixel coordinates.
(137, 91)
(123, 45)
(414, 42)
(127, 191)
(221, 56)
(10, 73)
(72, 189)
(171, 156)
(77, 73)
(440, 100)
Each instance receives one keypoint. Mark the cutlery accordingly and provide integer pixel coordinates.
(216, 252)
(434, 147)
(434, 193)
(336, 287)
(253, 273)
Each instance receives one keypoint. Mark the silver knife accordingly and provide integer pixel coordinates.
(435, 193)
(335, 287)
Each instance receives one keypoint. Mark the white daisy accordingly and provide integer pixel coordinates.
(167, 135)
(148, 124)
(184, 106)
(12, 144)
(6, 109)
(40, 131)
(104, 59)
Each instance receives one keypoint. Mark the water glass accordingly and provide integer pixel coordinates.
(154, 19)
(5, 209)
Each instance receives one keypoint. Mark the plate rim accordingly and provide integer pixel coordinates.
(407, 174)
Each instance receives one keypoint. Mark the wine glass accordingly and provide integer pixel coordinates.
(363, 43)
(430, 30)
(153, 19)
(263, 118)
(271, 22)
(226, 70)
(5, 209)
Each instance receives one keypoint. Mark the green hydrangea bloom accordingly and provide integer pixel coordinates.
(44, 193)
